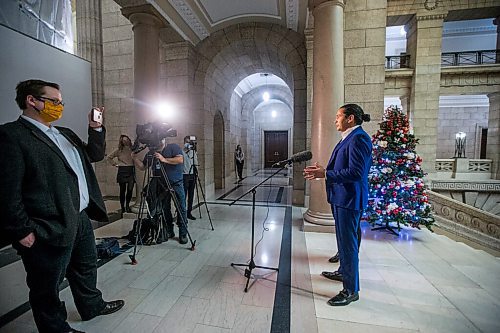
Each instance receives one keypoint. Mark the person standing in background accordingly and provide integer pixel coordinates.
(189, 174)
(125, 176)
(239, 158)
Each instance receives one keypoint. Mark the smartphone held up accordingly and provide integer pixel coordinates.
(97, 115)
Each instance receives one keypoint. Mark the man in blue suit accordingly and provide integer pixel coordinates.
(347, 192)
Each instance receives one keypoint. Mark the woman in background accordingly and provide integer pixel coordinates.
(125, 176)
(239, 158)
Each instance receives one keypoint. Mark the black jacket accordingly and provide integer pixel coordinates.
(38, 189)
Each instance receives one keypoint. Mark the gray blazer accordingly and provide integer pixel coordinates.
(38, 189)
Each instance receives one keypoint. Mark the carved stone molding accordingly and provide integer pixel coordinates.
(466, 221)
(187, 13)
(431, 4)
(465, 186)
(431, 17)
(470, 79)
(292, 16)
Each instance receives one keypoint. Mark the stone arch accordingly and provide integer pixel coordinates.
(237, 51)
(250, 102)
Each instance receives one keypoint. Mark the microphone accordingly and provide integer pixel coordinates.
(296, 158)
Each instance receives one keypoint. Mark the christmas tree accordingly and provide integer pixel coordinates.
(397, 193)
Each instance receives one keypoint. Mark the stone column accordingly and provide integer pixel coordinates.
(493, 146)
(405, 105)
(328, 96)
(146, 27)
(89, 47)
(424, 47)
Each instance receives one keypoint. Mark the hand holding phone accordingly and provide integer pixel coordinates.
(96, 117)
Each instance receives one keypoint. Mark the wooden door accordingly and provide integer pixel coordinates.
(275, 147)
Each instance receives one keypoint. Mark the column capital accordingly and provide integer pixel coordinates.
(315, 4)
(139, 12)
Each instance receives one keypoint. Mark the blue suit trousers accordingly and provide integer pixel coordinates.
(347, 224)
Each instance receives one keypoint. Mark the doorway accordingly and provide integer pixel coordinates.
(275, 147)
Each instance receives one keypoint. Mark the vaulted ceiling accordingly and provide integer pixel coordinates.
(197, 19)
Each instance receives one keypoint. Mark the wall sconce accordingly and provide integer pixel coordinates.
(460, 139)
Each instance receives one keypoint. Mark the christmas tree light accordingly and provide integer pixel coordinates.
(396, 188)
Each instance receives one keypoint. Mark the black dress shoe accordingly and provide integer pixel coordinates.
(343, 298)
(334, 259)
(336, 276)
(112, 307)
(170, 234)
(191, 217)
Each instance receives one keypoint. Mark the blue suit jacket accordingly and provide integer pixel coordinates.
(347, 171)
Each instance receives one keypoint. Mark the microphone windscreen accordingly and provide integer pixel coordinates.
(302, 156)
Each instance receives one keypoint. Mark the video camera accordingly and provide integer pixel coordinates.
(151, 134)
(192, 142)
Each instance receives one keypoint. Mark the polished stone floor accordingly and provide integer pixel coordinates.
(416, 282)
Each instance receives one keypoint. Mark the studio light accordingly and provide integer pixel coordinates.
(273, 113)
(165, 110)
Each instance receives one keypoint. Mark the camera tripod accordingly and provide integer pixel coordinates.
(143, 204)
(197, 184)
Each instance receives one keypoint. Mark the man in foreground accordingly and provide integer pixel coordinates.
(48, 192)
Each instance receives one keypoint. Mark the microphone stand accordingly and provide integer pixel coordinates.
(251, 265)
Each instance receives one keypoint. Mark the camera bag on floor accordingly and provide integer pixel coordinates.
(107, 247)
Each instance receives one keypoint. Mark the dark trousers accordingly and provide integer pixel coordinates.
(126, 193)
(239, 169)
(347, 225)
(359, 235)
(189, 185)
(181, 212)
(46, 266)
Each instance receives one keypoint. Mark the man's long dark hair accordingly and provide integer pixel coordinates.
(357, 112)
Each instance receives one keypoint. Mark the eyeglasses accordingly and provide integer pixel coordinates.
(52, 100)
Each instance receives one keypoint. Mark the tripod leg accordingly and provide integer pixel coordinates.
(197, 196)
(248, 281)
(204, 201)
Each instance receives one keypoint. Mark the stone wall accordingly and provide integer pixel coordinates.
(118, 60)
(460, 119)
(364, 45)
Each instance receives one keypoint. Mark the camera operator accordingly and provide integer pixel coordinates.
(189, 173)
(172, 159)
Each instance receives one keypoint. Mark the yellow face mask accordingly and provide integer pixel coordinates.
(51, 112)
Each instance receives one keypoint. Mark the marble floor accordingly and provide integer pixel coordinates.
(418, 281)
